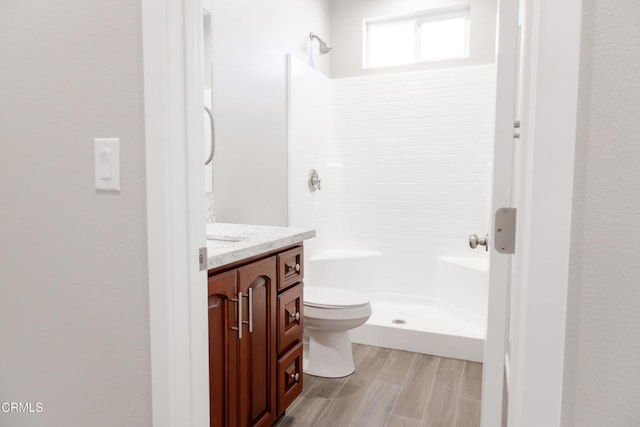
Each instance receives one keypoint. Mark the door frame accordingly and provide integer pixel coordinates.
(171, 42)
(175, 213)
(551, 59)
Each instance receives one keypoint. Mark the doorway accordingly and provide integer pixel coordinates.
(192, 407)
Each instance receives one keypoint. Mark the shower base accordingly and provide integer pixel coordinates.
(423, 325)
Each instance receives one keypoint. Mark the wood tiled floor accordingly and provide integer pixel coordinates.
(392, 388)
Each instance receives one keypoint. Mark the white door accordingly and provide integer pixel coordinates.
(500, 265)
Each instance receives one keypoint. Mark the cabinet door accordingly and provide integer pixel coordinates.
(258, 344)
(223, 350)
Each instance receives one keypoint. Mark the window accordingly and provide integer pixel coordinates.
(428, 36)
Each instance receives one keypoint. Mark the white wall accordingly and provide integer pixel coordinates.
(347, 31)
(415, 150)
(73, 276)
(602, 366)
(251, 41)
(310, 134)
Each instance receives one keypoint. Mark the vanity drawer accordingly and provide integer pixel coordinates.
(290, 267)
(289, 377)
(290, 306)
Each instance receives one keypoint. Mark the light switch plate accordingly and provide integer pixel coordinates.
(107, 163)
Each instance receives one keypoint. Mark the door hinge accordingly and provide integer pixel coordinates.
(203, 258)
(505, 231)
(516, 129)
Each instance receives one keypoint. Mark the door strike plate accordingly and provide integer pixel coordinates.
(505, 231)
(202, 258)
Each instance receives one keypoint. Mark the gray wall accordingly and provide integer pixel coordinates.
(74, 322)
(251, 41)
(347, 31)
(602, 371)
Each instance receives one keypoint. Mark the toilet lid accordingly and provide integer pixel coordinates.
(320, 296)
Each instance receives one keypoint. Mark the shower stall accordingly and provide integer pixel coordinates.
(405, 165)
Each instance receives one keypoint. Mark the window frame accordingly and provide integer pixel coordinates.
(418, 19)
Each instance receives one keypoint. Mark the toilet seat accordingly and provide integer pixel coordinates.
(333, 298)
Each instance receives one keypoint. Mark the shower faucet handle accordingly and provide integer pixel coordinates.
(475, 241)
(314, 181)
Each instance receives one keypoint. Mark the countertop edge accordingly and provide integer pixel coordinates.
(220, 260)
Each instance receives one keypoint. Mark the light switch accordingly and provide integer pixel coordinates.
(107, 163)
(104, 164)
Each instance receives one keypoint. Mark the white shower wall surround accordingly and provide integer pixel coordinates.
(405, 162)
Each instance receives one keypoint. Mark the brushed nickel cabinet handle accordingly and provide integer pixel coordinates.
(239, 327)
(250, 310)
(294, 377)
(249, 298)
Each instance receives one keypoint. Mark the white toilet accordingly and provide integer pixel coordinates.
(329, 314)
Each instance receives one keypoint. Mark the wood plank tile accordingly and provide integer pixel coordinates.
(397, 367)
(359, 352)
(451, 364)
(295, 402)
(307, 383)
(369, 368)
(381, 352)
(285, 421)
(398, 421)
(377, 405)
(324, 387)
(342, 408)
(468, 413)
(472, 383)
(415, 390)
(307, 412)
(442, 405)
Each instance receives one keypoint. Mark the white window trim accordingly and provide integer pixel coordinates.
(418, 18)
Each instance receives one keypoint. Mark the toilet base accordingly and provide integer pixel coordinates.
(328, 354)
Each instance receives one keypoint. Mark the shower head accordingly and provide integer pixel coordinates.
(324, 48)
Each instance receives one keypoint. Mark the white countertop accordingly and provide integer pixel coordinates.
(228, 243)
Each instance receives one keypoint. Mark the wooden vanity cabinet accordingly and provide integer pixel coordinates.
(255, 341)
